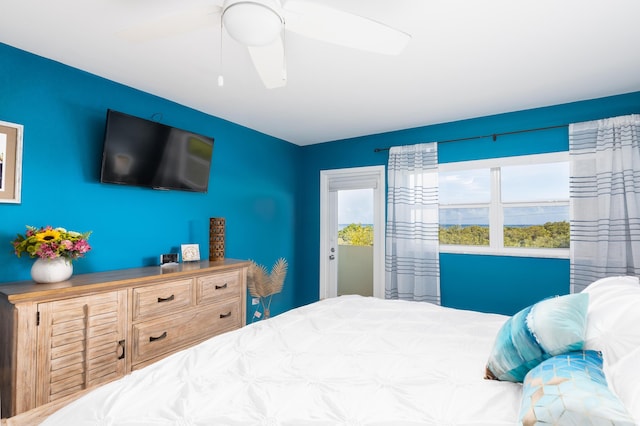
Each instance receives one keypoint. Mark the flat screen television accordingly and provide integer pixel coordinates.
(146, 153)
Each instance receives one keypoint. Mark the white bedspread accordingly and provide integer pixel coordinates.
(344, 361)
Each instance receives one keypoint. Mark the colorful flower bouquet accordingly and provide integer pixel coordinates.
(50, 243)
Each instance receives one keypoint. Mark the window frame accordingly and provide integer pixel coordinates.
(496, 206)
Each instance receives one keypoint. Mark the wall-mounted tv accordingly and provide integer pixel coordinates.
(146, 153)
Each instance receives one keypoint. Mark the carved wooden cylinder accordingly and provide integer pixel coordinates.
(216, 238)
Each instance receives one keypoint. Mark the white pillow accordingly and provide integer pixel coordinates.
(603, 284)
(613, 317)
(624, 378)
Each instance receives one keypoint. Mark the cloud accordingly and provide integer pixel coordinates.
(355, 206)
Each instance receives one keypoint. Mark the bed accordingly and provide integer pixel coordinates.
(356, 360)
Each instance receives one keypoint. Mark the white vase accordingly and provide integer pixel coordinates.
(51, 270)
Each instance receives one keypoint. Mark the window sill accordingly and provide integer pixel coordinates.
(562, 253)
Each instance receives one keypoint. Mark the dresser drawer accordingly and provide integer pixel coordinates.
(157, 337)
(215, 287)
(162, 299)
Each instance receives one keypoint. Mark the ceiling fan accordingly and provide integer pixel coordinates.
(260, 26)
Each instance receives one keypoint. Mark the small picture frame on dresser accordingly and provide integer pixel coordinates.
(168, 259)
(190, 252)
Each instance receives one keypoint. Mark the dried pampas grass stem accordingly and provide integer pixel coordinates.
(264, 285)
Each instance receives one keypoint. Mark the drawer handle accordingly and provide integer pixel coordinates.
(227, 315)
(121, 345)
(160, 337)
(166, 299)
(220, 287)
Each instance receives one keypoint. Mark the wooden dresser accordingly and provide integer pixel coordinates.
(59, 339)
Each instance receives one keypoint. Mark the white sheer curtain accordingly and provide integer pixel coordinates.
(412, 262)
(605, 199)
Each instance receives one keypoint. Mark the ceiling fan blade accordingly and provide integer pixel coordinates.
(342, 28)
(175, 24)
(269, 63)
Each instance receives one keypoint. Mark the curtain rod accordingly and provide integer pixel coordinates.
(494, 136)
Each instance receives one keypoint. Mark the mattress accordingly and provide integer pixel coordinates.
(349, 360)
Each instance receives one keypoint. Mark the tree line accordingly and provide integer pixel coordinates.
(549, 235)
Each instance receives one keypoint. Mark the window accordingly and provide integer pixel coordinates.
(355, 217)
(509, 206)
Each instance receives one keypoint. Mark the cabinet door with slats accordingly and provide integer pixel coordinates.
(81, 343)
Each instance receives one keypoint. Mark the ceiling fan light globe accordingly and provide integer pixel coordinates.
(252, 23)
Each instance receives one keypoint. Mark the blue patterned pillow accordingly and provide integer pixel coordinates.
(538, 332)
(571, 389)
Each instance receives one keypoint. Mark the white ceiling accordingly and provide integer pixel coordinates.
(466, 58)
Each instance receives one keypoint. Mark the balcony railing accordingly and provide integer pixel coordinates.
(355, 270)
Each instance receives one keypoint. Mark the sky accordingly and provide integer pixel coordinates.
(355, 206)
(520, 183)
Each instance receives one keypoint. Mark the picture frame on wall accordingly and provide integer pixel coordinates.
(190, 252)
(10, 162)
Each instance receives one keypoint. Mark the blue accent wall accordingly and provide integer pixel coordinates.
(266, 188)
(498, 284)
(253, 181)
